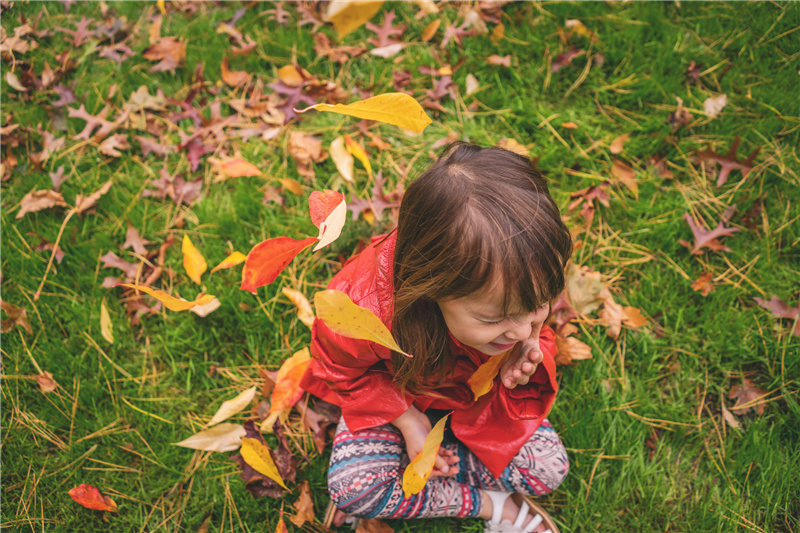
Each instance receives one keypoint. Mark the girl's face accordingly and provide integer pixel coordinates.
(478, 321)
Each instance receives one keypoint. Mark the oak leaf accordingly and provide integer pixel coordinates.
(569, 348)
(305, 149)
(386, 31)
(135, 241)
(234, 78)
(781, 309)
(727, 161)
(748, 397)
(17, 316)
(37, 200)
(113, 143)
(705, 238)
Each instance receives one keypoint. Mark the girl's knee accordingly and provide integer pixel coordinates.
(360, 494)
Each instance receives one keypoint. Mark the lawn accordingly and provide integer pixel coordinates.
(687, 420)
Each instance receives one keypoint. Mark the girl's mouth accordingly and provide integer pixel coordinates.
(502, 346)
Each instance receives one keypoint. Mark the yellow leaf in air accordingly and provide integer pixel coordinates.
(232, 260)
(258, 457)
(304, 312)
(342, 158)
(344, 317)
(106, 328)
(170, 302)
(481, 381)
(398, 109)
(419, 470)
(193, 260)
(358, 152)
(349, 15)
(161, 7)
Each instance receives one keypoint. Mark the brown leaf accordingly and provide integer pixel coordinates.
(727, 161)
(495, 59)
(46, 382)
(57, 177)
(83, 204)
(748, 396)
(660, 164)
(781, 309)
(16, 317)
(565, 58)
(373, 525)
(618, 143)
(133, 240)
(570, 349)
(385, 31)
(304, 506)
(704, 237)
(339, 54)
(169, 50)
(305, 149)
(703, 283)
(38, 200)
(111, 260)
(92, 122)
(624, 173)
(112, 143)
(680, 117)
(231, 77)
(257, 484)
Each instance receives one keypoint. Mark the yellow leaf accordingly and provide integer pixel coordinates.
(161, 7)
(231, 407)
(398, 109)
(344, 317)
(482, 380)
(430, 30)
(258, 457)
(170, 302)
(235, 168)
(193, 260)
(292, 186)
(358, 152)
(106, 328)
(419, 470)
(342, 158)
(287, 391)
(349, 15)
(304, 312)
(232, 260)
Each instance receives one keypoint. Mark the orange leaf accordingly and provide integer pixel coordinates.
(193, 260)
(170, 302)
(357, 151)
(91, 498)
(287, 391)
(304, 312)
(482, 380)
(430, 31)
(232, 77)
(624, 173)
(618, 143)
(329, 213)
(281, 525)
(419, 470)
(235, 168)
(232, 260)
(321, 203)
(267, 260)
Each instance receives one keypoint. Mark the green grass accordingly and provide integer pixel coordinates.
(661, 385)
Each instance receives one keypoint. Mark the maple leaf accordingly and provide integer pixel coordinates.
(379, 200)
(92, 122)
(748, 397)
(728, 161)
(781, 309)
(17, 316)
(458, 32)
(703, 284)
(704, 237)
(385, 31)
(257, 484)
(294, 95)
(81, 35)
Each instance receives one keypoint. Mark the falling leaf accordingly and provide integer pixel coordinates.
(304, 312)
(232, 260)
(358, 152)
(193, 261)
(748, 397)
(287, 391)
(83, 204)
(703, 284)
(331, 227)
(16, 317)
(225, 437)
(231, 407)
(38, 200)
(171, 303)
(106, 328)
(482, 380)
(342, 158)
(624, 173)
(419, 470)
(618, 143)
(46, 382)
(258, 457)
(304, 506)
(398, 109)
(349, 15)
(346, 318)
(91, 498)
(207, 309)
(267, 260)
(704, 238)
(713, 105)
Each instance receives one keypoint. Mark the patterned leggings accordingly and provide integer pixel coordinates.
(365, 478)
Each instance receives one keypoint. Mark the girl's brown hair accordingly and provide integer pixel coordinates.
(476, 215)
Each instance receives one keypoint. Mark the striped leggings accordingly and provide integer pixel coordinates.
(365, 478)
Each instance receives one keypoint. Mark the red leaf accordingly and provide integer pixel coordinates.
(267, 260)
(321, 203)
(728, 161)
(385, 31)
(90, 497)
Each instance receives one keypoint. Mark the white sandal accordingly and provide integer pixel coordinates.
(496, 526)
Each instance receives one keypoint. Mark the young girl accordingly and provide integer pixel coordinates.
(478, 254)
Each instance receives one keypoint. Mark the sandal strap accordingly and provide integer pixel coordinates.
(498, 502)
(522, 515)
(533, 524)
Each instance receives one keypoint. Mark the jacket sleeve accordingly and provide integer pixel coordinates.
(535, 399)
(355, 375)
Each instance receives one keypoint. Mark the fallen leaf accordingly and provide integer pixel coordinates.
(207, 309)
(728, 416)
(231, 407)
(714, 105)
(482, 380)
(232, 260)
(781, 309)
(193, 261)
(135, 241)
(305, 149)
(504, 61)
(704, 237)
(293, 75)
(388, 51)
(346, 318)
(583, 286)
(472, 84)
(91, 498)
(419, 470)
(398, 109)
(293, 186)
(232, 77)
(349, 15)
(624, 173)
(285, 461)
(111, 260)
(703, 284)
(304, 506)
(287, 391)
(169, 51)
(614, 315)
(680, 117)
(13, 81)
(46, 382)
(58, 177)
(618, 143)
(577, 26)
(16, 317)
(83, 204)
(342, 159)
(37, 200)
(373, 525)
(728, 161)
(171, 303)
(569, 125)
(268, 259)
(571, 349)
(358, 151)
(225, 437)
(233, 168)
(565, 58)
(748, 397)
(258, 457)
(281, 527)
(304, 312)
(430, 30)
(106, 328)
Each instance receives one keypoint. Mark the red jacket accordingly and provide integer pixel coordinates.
(357, 375)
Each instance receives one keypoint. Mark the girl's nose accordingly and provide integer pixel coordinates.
(519, 332)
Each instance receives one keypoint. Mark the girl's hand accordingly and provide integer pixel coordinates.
(415, 426)
(523, 362)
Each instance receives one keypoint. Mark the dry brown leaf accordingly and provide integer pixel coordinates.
(111, 144)
(583, 287)
(83, 204)
(748, 397)
(703, 284)
(624, 173)
(38, 200)
(305, 149)
(46, 382)
(234, 78)
(304, 506)
(373, 525)
(618, 143)
(571, 349)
